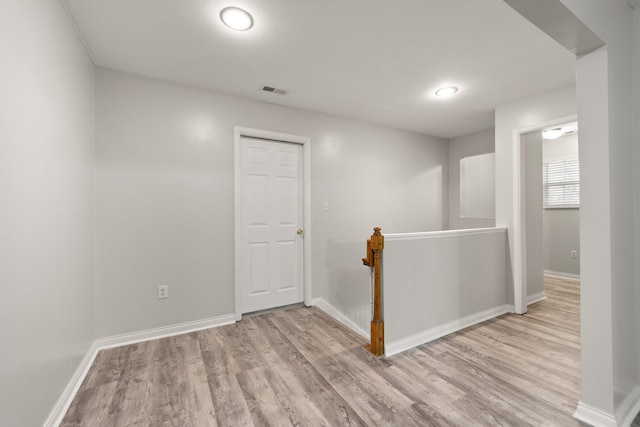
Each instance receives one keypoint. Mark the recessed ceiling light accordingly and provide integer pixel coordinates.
(236, 18)
(446, 91)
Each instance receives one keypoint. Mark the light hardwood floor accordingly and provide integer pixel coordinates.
(297, 366)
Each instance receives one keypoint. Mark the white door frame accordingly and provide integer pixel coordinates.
(519, 217)
(305, 142)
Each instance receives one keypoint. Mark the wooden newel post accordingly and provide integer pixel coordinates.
(375, 245)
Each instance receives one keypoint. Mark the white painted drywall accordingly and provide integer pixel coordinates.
(460, 274)
(532, 156)
(609, 301)
(609, 279)
(595, 236)
(46, 208)
(165, 199)
(561, 227)
(561, 235)
(563, 148)
(470, 145)
(636, 138)
(521, 114)
(477, 186)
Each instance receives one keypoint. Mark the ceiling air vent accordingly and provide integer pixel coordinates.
(274, 90)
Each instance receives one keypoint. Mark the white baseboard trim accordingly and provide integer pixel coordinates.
(165, 331)
(593, 416)
(561, 275)
(63, 403)
(531, 299)
(626, 413)
(420, 338)
(325, 306)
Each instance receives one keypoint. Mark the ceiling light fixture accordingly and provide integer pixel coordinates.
(554, 133)
(446, 91)
(557, 132)
(236, 18)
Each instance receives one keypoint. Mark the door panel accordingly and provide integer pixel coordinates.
(258, 268)
(272, 212)
(258, 215)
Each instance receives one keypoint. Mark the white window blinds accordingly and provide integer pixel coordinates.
(561, 184)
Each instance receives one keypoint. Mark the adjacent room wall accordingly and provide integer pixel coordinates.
(561, 227)
(532, 153)
(47, 206)
(561, 236)
(470, 145)
(165, 199)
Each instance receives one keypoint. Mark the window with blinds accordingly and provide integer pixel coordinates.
(561, 184)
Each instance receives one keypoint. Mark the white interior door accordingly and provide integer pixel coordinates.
(271, 215)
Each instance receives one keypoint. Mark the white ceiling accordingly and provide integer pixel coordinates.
(378, 60)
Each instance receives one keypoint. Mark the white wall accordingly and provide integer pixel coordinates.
(165, 198)
(613, 127)
(469, 145)
(455, 279)
(636, 138)
(561, 235)
(518, 115)
(532, 153)
(46, 208)
(563, 148)
(561, 227)
(609, 323)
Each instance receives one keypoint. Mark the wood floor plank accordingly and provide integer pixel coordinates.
(290, 392)
(260, 397)
(190, 395)
(369, 394)
(484, 387)
(298, 366)
(228, 399)
(416, 416)
(91, 406)
(474, 346)
(525, 324)
(128, 404)
(520, 376)
(109, 366)
(284, 356)
(346, 337)
(312, 342)
(561, 356)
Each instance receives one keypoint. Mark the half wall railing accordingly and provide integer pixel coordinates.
(435, 283)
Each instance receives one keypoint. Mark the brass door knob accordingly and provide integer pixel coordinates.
(299, 231)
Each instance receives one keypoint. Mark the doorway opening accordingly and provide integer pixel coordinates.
(528, 194)
(561, 201)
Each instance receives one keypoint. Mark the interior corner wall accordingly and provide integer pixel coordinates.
(613, 22)
(532, 173)
(47, 308)
(165, 198)
(469, 145)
